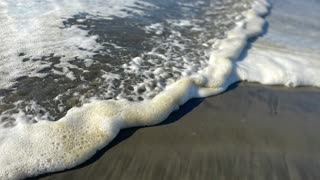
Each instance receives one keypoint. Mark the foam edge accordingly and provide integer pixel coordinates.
(30, 150)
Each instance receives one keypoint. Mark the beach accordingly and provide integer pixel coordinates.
(249, 132)
(147, 89)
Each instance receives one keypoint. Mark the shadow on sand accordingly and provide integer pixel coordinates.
(126, 133)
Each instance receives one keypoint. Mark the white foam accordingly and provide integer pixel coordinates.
(77, 136)
(272, 66)
(35, 28)
(289, 54)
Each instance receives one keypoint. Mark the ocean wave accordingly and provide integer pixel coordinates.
(46, 146)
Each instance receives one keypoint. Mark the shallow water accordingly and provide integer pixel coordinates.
(61, 54)
(79, 75)
(289, 53)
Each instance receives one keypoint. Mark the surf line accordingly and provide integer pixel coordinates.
(29, 150)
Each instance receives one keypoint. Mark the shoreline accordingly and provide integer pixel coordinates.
(78, 135)
(248, 132)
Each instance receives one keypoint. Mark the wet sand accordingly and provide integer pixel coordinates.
(249, 132)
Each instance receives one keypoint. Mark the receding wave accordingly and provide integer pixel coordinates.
(59, 54)
(56, 145)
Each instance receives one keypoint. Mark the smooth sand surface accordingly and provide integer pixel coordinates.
(249, 132)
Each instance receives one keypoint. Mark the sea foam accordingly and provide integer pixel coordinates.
(289, 53)
(31, 30)
(27, 151)
(267, 65)
(76, 53)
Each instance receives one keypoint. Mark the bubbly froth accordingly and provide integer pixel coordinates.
(84, 130)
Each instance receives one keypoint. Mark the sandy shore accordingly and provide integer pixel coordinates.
(249, 132)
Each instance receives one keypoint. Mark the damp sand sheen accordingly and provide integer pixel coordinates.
(26, 151)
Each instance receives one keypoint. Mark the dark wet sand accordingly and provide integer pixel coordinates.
(250, 132)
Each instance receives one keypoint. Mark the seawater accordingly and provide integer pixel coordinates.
(289, 52)
(76, 72)
(59, 54)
